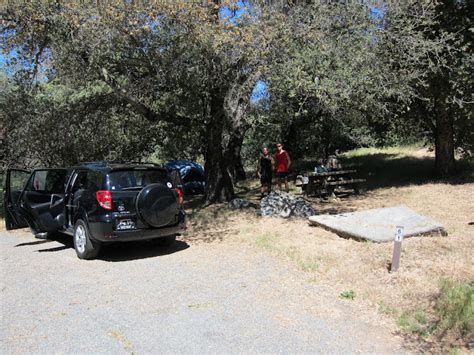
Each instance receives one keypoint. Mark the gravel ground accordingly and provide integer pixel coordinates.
(191, 298)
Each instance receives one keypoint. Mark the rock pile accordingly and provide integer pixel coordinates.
(238, 204)
(282, 204)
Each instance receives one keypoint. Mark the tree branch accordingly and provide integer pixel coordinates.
(138, 107)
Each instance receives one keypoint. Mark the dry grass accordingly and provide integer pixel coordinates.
(343, 264)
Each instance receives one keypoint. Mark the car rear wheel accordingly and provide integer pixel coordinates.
(85, 247)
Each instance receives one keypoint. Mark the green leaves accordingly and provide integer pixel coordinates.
(348, 295)
(335, 76)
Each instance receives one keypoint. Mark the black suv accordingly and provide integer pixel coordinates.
(96, 203)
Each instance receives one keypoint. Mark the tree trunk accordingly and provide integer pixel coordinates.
(327, 138)
(237, 102)
(444, 138)
(234, 148)
(289, 135)
(237, 130)
(219, 186)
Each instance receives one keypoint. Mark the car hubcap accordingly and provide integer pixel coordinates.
(80, 237)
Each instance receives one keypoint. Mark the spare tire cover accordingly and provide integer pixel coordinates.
(157, 205)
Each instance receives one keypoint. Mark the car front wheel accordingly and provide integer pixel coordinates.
(85, 247)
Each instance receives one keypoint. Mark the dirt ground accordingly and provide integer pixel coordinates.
(362, 267)
(323, 259)
(189, 298)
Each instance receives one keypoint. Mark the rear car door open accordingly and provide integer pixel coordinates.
(16, 180)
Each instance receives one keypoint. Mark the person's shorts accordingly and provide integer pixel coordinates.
(282, 175)
(265, 179)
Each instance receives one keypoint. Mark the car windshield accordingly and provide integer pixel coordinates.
(135, 178)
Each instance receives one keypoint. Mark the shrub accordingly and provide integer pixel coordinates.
(349, 295)
(455, 307)
(416, 322)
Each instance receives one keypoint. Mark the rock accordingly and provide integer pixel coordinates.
(379, 224)
(238, 203)
(285, 205)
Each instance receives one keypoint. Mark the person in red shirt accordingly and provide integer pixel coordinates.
(282, 163)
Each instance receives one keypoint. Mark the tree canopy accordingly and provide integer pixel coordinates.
(124, 80)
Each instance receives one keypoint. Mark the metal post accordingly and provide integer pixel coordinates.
(397, 249)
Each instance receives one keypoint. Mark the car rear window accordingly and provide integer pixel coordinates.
(135, 179)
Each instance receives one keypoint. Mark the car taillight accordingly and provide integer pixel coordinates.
(180, 196)
(104, 197)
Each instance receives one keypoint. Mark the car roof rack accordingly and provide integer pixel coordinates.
(110, 162)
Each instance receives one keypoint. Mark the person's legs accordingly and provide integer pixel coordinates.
(282, 178)
(279, 180)
(265, 188)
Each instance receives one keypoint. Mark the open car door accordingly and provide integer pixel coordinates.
(16, 180)
(42, 200)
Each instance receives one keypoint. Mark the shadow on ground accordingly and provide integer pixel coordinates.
(396, 170)
(114, 252)
(211, 223)
(33, 243)
(138, 250)
(418, 344)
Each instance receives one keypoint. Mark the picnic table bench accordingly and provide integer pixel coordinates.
(327, 182)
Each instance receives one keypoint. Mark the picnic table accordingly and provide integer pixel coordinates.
(327, 182)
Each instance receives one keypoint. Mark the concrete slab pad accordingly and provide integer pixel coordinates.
(378, 224)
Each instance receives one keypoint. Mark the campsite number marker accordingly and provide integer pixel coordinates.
(397, 248)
